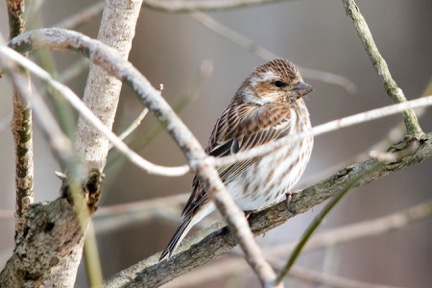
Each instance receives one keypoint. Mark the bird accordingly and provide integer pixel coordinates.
(268, 106)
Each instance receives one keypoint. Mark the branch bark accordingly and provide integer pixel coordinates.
(102, 91)
(22, 128)
(52, 240)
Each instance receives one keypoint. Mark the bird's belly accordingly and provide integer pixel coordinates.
(266, 182)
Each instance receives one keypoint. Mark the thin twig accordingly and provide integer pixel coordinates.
(200, 5)
(74, 70)
(22, 126)
(396, 94)
(133, 125)
(137, 121)
(263, 53)
(92, 259)
(237, 38)
(394, 135)
(325, 128)
(74, 100)
(83, 16)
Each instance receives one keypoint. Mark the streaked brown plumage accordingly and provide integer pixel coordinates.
(267, 106)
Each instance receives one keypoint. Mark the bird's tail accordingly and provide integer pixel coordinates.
(181, 232)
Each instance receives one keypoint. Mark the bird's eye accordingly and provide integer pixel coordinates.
(279, 84)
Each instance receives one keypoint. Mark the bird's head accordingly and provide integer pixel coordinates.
(275, 81)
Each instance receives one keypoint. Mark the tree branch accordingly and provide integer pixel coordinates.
(332, 237)
(52, 241)
(34, 262)
(102, 90)
(198, 251)
(209, 5)
(263, 53)
(396, 94)
(22, 127)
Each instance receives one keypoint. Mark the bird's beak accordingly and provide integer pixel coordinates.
(300, 89)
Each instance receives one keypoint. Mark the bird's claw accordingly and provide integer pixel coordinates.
(288, 200)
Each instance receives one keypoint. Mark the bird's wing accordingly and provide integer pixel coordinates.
(241, 127)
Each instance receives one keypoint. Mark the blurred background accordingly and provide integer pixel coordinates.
(200, 71)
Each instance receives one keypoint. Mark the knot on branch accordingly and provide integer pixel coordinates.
(88, 193)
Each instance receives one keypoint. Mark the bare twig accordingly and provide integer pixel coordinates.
(327, 127)
(85, 15)
(92, 259)
(22, 127)
(394, 135)
(74, 100)
(224, 31)
(195, 5)
(266, 54)
(134, 125)
(74, 70)
(396, 94)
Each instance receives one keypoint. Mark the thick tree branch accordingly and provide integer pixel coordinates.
(51, 243)
(102, 90)
(333, 237)
(20, 271)
(198, 251)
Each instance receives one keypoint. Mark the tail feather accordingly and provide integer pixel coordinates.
(181, 232)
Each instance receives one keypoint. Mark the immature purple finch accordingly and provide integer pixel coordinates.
(268, 106)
